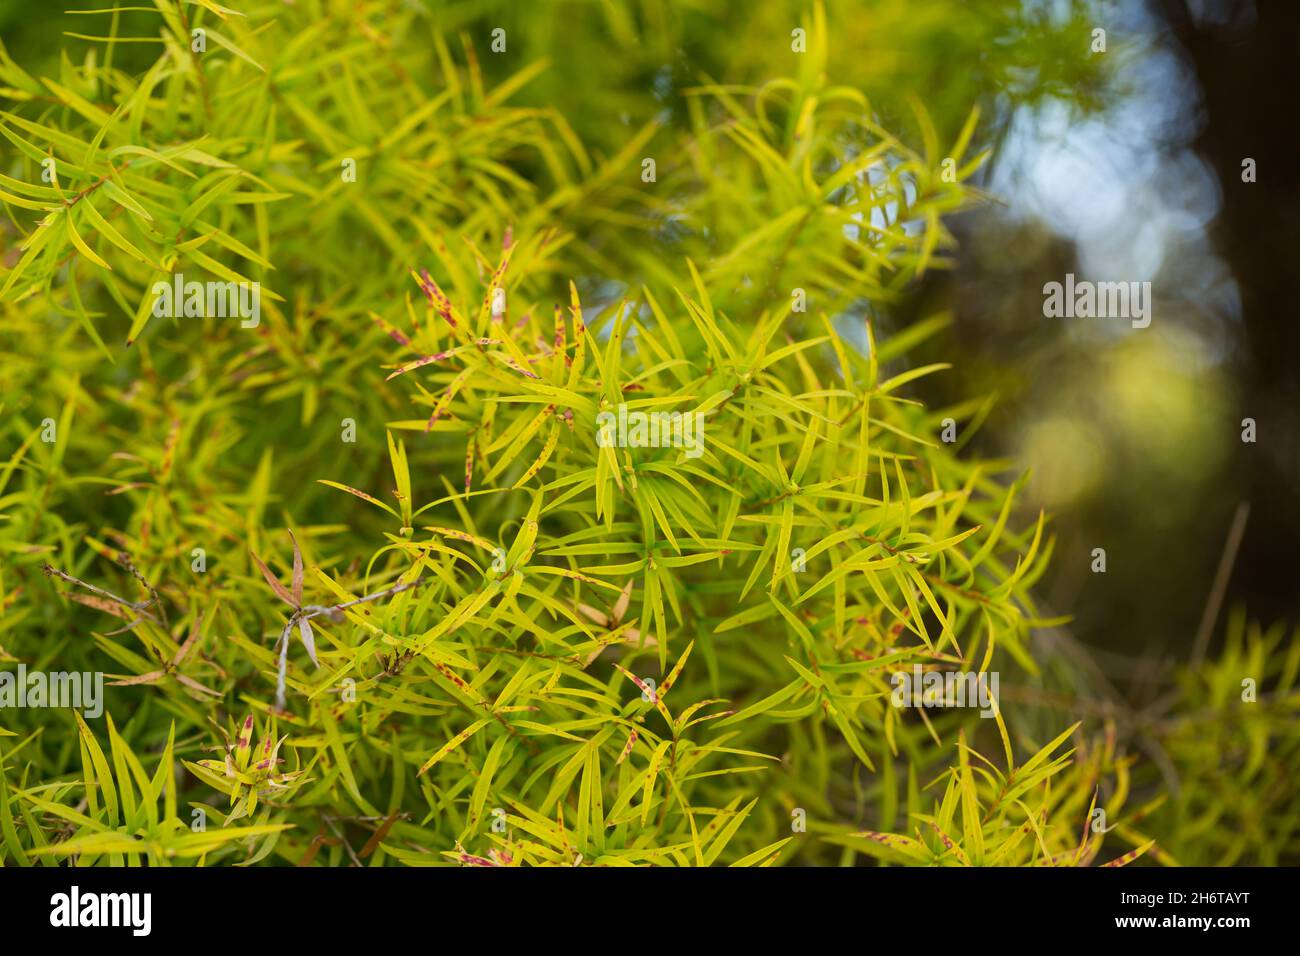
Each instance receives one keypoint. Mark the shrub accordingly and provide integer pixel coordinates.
(382, 578)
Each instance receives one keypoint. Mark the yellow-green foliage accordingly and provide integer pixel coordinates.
(467, 604)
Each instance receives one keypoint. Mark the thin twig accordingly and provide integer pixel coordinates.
(124, 559)
(329, 822)
(309, 611)
(138, 606)
(1220, 587)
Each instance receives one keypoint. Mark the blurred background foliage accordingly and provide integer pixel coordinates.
(1117, 165)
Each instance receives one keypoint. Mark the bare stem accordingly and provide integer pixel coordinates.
(138, 606)
(309, 611)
